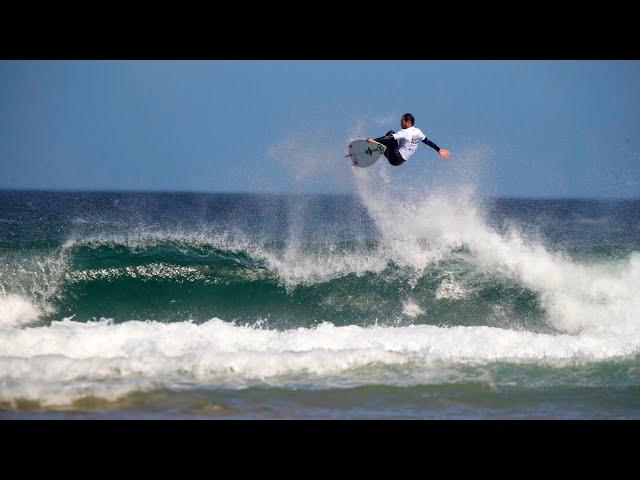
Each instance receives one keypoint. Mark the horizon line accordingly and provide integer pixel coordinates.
(244, 192)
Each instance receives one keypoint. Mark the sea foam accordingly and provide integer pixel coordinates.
(74, 358)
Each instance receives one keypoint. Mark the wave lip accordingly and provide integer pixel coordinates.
(576, 297)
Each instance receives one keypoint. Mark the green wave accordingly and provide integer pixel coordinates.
(175, 281)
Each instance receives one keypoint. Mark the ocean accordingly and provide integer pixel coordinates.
(371, 305)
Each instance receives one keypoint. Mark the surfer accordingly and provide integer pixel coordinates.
(403, 144)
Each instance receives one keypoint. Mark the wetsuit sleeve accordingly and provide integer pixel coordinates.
(426, 141)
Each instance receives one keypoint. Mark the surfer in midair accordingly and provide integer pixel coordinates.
(401, 145)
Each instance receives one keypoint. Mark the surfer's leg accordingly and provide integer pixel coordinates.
(387, 142)
(395, 158)
(392, 153)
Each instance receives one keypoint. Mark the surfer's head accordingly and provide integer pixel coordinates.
(407, 120)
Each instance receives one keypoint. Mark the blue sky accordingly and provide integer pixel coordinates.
(544, 128)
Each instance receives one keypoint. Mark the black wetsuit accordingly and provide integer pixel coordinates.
(393, 149)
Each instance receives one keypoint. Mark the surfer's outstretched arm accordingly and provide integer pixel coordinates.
(441, 151)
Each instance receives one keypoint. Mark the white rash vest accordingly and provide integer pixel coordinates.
(408, 140)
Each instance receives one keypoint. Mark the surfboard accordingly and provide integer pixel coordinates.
(364, 154)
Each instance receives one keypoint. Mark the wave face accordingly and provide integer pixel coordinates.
(112, 301)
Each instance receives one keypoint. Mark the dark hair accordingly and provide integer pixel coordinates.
(408, 116)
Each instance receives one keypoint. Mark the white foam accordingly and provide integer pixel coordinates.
(419, 228)
(451, 289)
(68, 359)
(411, 309)
(28, 284)
(16, 311)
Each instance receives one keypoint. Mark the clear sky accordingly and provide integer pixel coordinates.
(545, 128)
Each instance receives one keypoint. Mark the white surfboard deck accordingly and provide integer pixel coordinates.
(365, 154)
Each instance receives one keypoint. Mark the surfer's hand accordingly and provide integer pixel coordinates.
(369, 139)
(444, 153)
